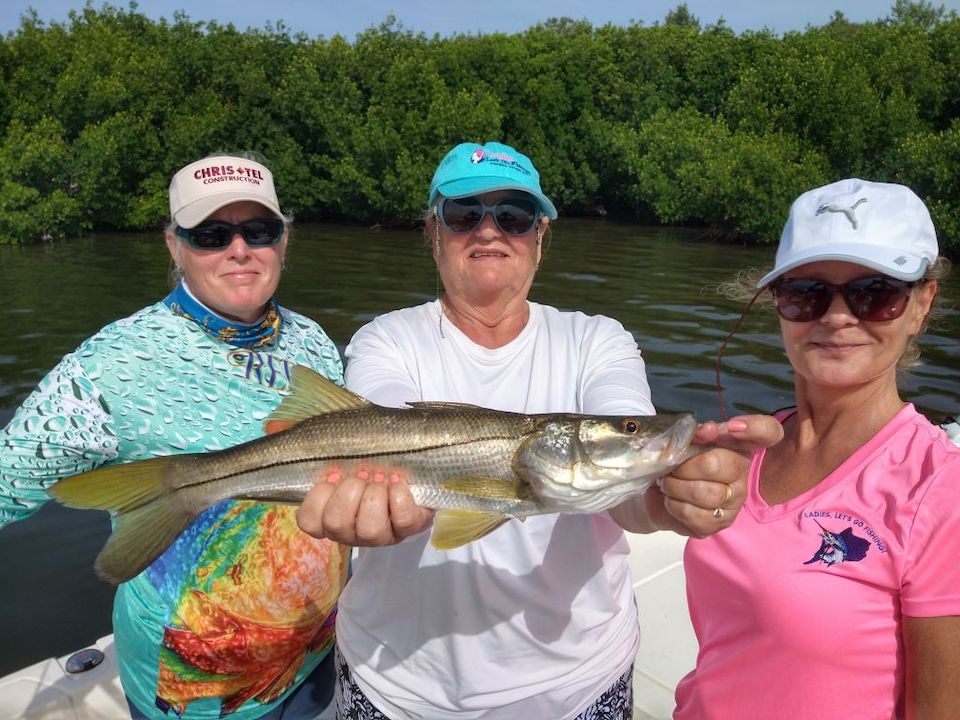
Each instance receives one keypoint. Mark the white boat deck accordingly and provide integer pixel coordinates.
(46, 691)
(668, 648)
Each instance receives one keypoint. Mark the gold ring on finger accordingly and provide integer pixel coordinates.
(728, 497)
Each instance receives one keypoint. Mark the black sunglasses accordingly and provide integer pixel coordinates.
(514, 216)
(217, 234)
(875, 298)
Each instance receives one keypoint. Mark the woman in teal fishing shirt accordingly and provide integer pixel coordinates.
(236, 618)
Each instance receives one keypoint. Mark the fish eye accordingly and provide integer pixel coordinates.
(630, 427)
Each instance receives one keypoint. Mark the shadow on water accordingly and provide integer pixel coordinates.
(653, 280)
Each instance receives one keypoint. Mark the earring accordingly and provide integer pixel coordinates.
(283, 263)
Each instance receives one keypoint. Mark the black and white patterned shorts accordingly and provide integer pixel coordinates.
(615, 704)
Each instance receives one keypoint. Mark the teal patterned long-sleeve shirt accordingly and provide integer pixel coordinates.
(240, 608)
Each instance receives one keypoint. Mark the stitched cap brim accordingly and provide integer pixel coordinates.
(199, 210)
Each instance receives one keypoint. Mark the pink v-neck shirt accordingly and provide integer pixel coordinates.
(798, 606)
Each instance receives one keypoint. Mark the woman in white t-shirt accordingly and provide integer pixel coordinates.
(536, 620)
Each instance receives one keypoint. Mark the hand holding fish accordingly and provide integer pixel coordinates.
(363, 512)
(703, 494)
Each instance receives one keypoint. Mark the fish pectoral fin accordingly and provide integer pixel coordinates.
(311, 394)
(485, 487)
(140, 537)
(453, 528)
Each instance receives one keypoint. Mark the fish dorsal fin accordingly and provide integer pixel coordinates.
(485, 487)
(453, 528)
(310, 394)
(436, 405)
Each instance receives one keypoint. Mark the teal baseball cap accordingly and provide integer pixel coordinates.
(472, 169)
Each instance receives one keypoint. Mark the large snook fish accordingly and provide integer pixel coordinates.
(476, 467)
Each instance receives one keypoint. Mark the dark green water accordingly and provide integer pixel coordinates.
(652, 280)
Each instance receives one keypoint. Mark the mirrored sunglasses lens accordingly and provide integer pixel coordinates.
(877, 298)
(515, 216)
(208, 236)
(218, 235)
(801, 300)
(262, 232)
(461, 215)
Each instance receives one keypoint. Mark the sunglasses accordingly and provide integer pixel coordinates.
(514, 216)
(216, 234)
(875, 298)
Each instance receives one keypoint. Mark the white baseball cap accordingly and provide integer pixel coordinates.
(203, 187)
(882, 226)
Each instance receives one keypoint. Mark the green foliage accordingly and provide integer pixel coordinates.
(38, 200)
(682, 16)
(689, 168)
(921, 14)
(928, 163)
(674, 123)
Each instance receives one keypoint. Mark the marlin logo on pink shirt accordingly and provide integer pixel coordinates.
(836, 548)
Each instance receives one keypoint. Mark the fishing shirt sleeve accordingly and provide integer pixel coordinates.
(61, 429)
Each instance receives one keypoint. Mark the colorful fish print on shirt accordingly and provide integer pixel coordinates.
(245, 619)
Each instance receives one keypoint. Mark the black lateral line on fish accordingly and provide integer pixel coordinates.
(363, 456)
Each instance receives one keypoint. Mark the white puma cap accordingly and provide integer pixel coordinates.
(882, 226)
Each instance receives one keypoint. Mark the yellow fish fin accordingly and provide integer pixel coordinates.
(148, 517)
(310, 394)
(140, 537)
(485, 487)
(453, 528)
(118, 487)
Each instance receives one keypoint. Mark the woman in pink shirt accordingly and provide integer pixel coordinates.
(836, 591)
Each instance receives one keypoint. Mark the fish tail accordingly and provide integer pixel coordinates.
(147, 516)
(118, 487)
